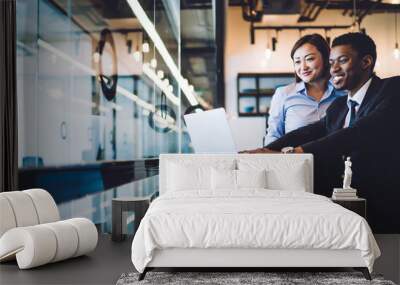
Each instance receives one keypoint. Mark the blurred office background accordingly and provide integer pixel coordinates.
(102, 88)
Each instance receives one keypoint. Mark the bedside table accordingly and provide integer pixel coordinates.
(120, 208)
(357, 205)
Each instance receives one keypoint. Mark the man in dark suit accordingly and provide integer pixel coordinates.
(364, 125)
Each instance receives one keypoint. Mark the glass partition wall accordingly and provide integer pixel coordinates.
(100, 96)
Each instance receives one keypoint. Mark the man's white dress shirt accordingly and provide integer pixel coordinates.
(357, 97)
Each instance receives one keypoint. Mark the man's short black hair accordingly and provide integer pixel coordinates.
(360, 42)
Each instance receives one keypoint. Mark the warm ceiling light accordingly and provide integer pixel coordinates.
(137, 55)
(145, 47)
(396, 51)
(96, 57)
(252, 10)
(161, 48)
(153, 63)
(160, 74)
(268, 53)
(150, 73)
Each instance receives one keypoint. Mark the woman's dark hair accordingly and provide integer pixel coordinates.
(320, 44)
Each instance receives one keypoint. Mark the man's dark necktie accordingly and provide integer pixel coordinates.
(353, 105)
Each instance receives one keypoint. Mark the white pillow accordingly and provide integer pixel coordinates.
(194, 174)
(251, 178)
(292, 179)
(224, 179)
(183, 177)
(282, 172)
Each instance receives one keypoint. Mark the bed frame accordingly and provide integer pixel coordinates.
(256, 258)
(240, 259)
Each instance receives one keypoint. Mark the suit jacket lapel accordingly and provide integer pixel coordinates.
(370, 96)
(341, 116)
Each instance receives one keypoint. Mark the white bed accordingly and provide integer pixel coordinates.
(214, 211)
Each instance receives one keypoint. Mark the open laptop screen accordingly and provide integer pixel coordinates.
(210, 132)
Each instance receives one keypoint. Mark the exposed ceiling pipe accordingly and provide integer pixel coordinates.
(299, 28)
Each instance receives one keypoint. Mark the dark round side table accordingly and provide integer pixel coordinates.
(120, 209)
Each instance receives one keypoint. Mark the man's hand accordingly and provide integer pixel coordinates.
(260, 150)
(298, 149)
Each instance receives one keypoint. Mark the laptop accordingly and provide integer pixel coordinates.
(210, 132)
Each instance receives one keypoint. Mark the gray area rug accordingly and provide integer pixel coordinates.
(228, 278)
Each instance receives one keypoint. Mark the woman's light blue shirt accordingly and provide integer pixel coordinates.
(291, 108)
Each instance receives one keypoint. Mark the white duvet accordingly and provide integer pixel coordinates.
(250, 219)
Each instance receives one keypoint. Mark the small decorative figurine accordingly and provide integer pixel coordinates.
(348, 173)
